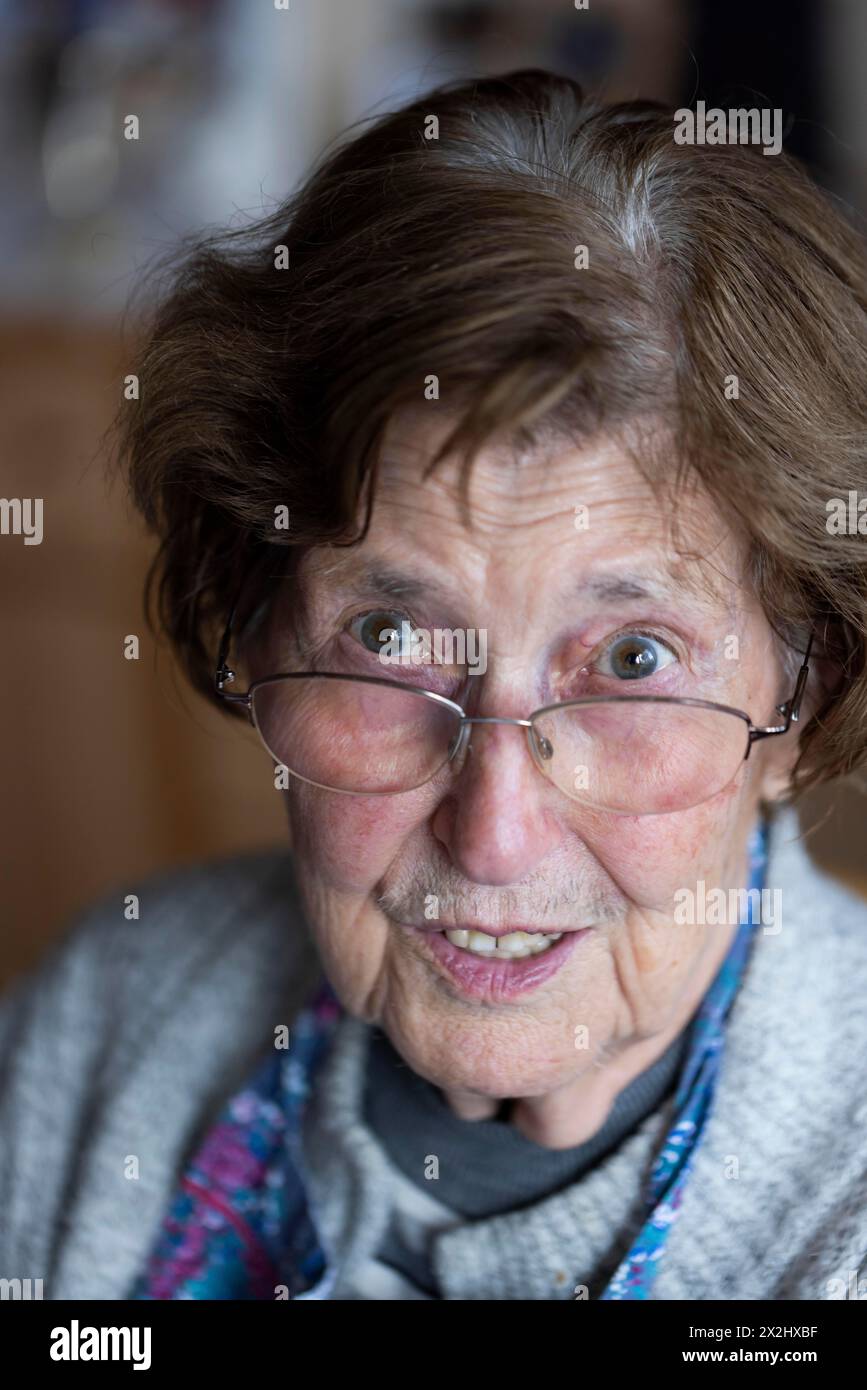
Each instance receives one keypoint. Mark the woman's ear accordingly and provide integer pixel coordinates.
(779, 755)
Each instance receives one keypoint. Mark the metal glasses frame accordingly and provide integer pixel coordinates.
(789, 710)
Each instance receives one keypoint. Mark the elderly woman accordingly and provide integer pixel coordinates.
(498, 481)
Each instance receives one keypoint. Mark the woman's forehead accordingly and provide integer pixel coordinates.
(415, 552)
(577, 509)
(519, 486)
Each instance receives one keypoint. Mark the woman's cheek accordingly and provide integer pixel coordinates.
(348, 842)
(651, 858)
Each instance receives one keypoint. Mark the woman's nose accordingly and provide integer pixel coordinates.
(498, 820)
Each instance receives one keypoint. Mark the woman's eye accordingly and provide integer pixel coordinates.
(634, 657)
(382, 630)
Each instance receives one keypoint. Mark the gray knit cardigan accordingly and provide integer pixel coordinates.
(126, 1041)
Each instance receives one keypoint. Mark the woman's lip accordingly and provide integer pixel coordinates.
(494, 981)
(494, 931)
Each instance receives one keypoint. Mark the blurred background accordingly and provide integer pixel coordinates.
(110, 769)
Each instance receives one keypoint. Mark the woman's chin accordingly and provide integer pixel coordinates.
(491, 1070)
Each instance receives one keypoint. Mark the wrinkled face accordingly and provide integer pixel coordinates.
(572, 603)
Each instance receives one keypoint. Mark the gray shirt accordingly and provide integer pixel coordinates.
(489, 1166)
(484, 1167)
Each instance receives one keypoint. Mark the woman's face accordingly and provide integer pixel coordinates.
(566, 600)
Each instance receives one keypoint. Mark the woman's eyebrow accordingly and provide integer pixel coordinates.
(382, 578)
(617, 588)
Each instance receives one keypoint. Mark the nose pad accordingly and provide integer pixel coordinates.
(459, 746)
(541, 747)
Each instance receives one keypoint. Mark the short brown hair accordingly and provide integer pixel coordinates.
(448, 248)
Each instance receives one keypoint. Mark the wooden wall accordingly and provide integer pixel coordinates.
(111, 769)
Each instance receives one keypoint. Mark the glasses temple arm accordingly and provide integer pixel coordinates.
(791, 709)
(224, 674)
(794, 706)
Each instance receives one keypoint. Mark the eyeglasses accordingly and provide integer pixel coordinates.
(626, 754)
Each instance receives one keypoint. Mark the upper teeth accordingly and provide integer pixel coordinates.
(514, 945)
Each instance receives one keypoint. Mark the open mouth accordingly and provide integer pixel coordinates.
(515, 945)
(498, 965)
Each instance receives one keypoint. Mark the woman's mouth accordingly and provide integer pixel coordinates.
(496, 966)
(515, 945)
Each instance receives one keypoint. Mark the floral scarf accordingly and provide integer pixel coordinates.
(240, 1226)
